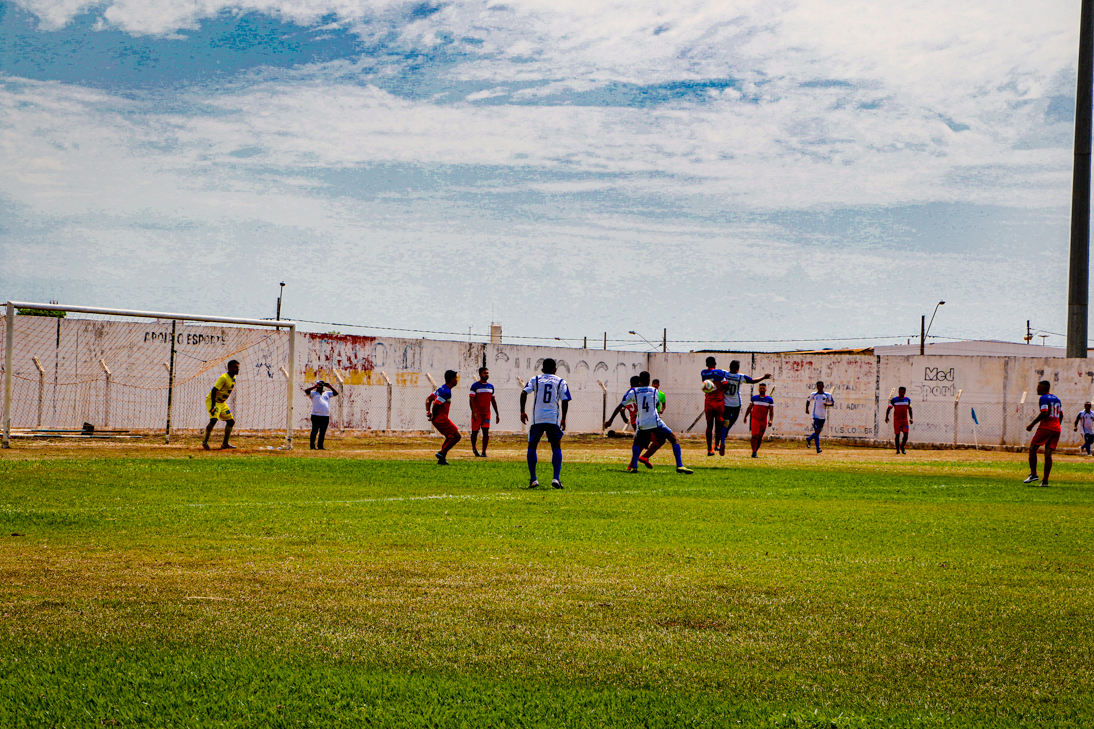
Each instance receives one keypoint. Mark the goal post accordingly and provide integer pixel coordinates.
(123, 368)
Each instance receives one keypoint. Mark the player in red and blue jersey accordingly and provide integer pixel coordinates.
(482, 397)
(901, 408)
(1048, 432)
(761, 411)
(713, 403)
(437, 406)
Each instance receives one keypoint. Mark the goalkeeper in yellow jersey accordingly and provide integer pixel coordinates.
(216, 403)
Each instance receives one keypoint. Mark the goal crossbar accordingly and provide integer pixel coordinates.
(9, 347)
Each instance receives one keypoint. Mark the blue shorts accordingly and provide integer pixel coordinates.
(818, 424)
(537, 431)
(732, 413)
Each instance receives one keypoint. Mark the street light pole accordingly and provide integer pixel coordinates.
(924, 331)
(653, 347)
(1078, 284)
(280, 293)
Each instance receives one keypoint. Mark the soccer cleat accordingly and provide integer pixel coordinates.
(754, 454)
(645, 462)
(1032, 478)
(475, 452)
(904, 451)
(818, 450)
(227, 447)
(534, 484)
(442, 461)
(710, 453)
(1045, 482)
(684, 470)
(722, 449)
(556, 484)
(631, 470)
(205, 446)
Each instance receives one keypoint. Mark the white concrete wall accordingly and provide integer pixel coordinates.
(74, 387)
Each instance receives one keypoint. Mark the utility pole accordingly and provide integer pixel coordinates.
(665, 340)
(279, 295)
(1078, 284)
(922, 332)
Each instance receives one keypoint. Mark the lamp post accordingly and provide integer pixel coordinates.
(653, 347)
(924, 330)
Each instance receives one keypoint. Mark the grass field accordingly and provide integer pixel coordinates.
(144, 585)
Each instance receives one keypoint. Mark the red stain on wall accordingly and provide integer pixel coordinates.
(346, 352)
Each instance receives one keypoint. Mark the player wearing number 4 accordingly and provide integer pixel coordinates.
(649, 424)
(1048, 433)
(550, 401)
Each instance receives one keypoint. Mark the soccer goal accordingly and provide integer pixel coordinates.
(79, 371)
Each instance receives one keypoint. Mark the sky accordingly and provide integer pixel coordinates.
(749, 175)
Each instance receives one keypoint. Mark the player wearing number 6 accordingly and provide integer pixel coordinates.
(550, 401)
(649, 424)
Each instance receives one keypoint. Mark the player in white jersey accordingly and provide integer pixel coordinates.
(1085, 418)
(648, 423)
(821, 401)
(731, 387)
(550, 401)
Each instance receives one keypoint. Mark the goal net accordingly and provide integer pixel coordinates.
(73, 371)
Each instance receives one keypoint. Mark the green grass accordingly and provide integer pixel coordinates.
(255, 591)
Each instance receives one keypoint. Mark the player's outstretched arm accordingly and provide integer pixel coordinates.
(618, 409)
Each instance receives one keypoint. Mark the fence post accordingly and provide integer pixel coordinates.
(389, 392)
(603, 405)
(956, 399)
(41, 388)
(533, 404)
(9, 362)
(106, 398)
(341, 399)
(170, 383)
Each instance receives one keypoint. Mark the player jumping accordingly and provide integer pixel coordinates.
(550, 401)
(216, 404)
(713, 403)
(649, 423)
(821, 401)
(762, 413)
(901, 408)
(1085, 418)
(437, 406)
(731, 387)
(482, 397)
(1048, 433)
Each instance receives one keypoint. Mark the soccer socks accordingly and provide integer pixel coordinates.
(532, 460)
(678, 455)
(756, 443)
(556, 461)
(636, 450)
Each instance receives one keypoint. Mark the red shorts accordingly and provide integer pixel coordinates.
(480, 421)
(715, 410)
(1047, 438)
(445, 427)
(900, 426)
(758, 428)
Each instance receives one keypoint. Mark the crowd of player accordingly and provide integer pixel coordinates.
(643, 405)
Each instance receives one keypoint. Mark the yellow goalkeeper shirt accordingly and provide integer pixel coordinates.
(224, 386)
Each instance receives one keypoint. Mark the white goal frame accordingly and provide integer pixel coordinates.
(9, 348)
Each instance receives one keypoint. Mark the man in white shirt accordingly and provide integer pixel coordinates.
(550, 401)
(1085, 418)
(648, 423)
(820, 401)
(320, 412)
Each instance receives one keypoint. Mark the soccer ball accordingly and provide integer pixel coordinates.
(709, 386)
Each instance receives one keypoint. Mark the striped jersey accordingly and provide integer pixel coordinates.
(548, 393)
(482, 393)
